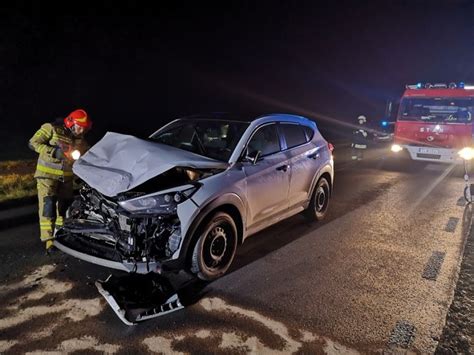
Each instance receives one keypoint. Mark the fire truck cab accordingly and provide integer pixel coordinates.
(434, 122)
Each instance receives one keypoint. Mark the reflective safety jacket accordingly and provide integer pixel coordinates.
(360, 138)
(45, 141)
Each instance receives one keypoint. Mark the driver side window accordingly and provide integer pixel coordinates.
(265, 140)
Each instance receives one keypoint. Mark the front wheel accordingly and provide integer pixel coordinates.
(215, 248)
(319, 203)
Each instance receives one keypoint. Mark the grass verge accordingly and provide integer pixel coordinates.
(16, 179)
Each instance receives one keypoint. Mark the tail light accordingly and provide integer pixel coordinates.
(330, 147)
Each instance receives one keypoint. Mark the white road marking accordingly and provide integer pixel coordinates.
(252, 344)
(333, 348)
(308, 337)
(242, 342)
(217, 304)
(43, 333)
(77, 344)
(75, 309)
(204, 333)
(79, 309)
(5, 345)
(30, 279)
(47, 287)
(40, 286)
(161, 345)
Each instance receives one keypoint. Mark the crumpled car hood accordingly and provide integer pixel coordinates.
(119, 162)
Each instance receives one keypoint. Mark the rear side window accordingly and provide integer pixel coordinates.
(294, 135)
(309, 133)
(265, 140)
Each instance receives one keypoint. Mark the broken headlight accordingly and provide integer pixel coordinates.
(164, 202)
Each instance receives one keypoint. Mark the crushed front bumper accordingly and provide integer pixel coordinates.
(97, 247)
(137, 267)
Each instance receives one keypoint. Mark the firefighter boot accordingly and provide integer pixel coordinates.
(49, 246)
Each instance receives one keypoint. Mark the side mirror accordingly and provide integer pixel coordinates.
(388, 108)
(391, 109)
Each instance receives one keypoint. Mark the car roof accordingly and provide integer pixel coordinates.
(249, 117)
(219, 116)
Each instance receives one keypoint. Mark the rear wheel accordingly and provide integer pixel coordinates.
(467, 194)
(215, 248)
(318, 206)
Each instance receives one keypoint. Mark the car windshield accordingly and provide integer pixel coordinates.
(437, 110)
(211, 138)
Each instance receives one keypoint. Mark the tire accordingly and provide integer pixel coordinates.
(215, 248)
(467, 194)
(319, 203)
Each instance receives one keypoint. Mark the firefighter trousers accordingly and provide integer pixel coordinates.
(358, 151)
(54, 197)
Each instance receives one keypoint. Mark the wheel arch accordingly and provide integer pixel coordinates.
(326, 172)
(230, 204)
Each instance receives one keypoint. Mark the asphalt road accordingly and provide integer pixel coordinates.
(377, 275)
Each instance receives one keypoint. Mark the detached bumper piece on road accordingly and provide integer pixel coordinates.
(135, 298)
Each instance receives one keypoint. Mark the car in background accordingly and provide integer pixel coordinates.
(187, 196)
(384, 132)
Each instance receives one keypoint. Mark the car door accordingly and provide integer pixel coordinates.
(305, 160)
(268, 179)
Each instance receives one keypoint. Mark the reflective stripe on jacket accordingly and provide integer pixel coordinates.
(45, 141)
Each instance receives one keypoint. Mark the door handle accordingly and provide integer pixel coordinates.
(283, 168)
(313, 156)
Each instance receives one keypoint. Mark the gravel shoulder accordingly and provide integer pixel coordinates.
(458, 333)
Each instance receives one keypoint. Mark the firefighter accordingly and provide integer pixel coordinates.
(359, 139)
(58, 144)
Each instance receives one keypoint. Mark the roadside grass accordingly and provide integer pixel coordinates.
(16, 179)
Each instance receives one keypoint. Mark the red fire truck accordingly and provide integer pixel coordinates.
(435, 122)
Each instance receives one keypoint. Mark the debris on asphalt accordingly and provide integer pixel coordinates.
(402, 335)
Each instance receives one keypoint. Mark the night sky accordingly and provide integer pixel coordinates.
(134, 68)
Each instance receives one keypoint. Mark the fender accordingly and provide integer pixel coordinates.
(325, 169)
(190, 237)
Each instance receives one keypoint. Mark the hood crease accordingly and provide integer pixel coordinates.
(119, 162)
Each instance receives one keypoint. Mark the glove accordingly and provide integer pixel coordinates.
(58, 153)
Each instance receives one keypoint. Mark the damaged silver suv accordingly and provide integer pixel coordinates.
(187, 196)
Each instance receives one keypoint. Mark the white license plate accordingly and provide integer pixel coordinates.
(428, 151)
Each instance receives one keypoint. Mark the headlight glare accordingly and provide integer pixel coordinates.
(467, 153)
(396, 148)
(75, 154)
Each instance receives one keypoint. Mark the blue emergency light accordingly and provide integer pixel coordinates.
(384, 123)
(451, 85)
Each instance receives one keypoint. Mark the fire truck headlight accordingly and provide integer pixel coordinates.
(75, 154)
(466, 153)
(396, 148)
